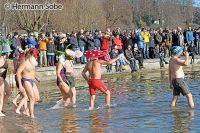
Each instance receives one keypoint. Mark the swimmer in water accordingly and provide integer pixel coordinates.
(26, 76)
(65, 76)
(176, 76)
(94, 79)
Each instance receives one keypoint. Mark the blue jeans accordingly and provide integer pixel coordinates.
(50, 58)
(198, 47)
(146, 50)
(133, 64)
(82, 58)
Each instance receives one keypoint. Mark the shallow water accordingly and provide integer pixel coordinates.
(140, 104)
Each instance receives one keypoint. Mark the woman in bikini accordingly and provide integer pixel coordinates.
(5, 91)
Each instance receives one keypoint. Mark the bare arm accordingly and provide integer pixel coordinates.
(58, 70)
(183, 62)
(19, 75)
(170, 78)
(110, 61)
(37, 78)
(84, 73)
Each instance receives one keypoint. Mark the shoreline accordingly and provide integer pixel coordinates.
(49, 73)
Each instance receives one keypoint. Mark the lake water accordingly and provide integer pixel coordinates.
(140, 104)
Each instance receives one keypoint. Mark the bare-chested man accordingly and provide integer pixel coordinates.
(176, 76)
(94, 79)
(26, 76)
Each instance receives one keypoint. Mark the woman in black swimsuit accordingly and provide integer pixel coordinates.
(5, 91)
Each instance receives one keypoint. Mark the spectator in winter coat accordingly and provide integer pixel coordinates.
(31, 41)
(117, 42)
(105, 46)
(105, 42)
(192, 50)
(90, 41)
(151, 45)
(97, 40)
(82, 42)
(140, 43)
(74, 42)
(50, 52)
(189, 36)
(175, 38)
(130, 57)
(43, 50)
(138, 56)
(16, 44)
(180, 36)
(197, 40)
(23, 41)
(146, 36)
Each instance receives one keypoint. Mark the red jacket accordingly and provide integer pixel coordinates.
(105, 43)
(117, 42)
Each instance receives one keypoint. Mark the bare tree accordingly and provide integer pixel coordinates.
(30, 20)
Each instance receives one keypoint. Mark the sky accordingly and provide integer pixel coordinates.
(196, 3)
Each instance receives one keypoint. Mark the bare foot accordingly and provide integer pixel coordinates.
(91, 108)
(15, 103)
(17, 111)
(65, 104)
(1, 114)
(61, 100)
(26, 113)
(32, 117)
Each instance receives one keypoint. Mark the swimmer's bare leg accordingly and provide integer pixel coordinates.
(73, 96)
(65, 90)
(14, 101)
(107, 98)
(174, 100)
(1, 98)
(22, 103)
(31, 95)
(26, 110)
(92, 99)
(190, 100)
(7, 91)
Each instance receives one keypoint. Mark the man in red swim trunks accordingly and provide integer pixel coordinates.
(94, 79)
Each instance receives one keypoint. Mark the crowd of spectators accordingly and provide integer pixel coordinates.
(136, 44)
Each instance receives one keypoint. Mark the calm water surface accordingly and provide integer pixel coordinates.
(140, 104)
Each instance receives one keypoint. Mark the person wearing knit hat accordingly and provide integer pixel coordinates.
(175, 50)
(176, 76)
(26, 76)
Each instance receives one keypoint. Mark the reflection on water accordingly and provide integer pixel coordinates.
(99, 123)
(70, 124)
(140, 103)
(182, 120)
